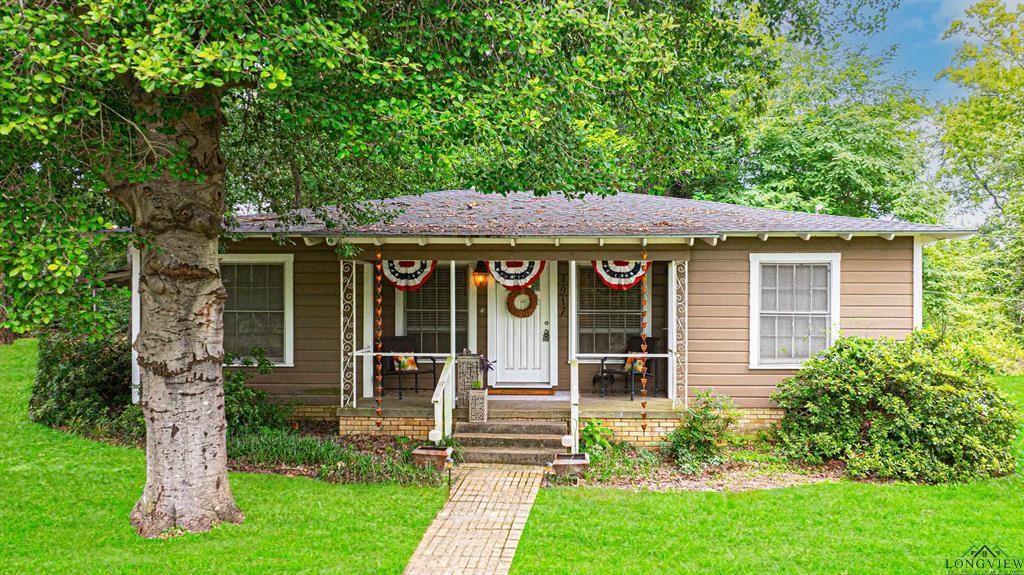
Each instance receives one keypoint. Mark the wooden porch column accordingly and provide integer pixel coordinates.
(574, 366)
(367, 328)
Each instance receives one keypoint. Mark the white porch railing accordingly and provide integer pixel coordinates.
(444, 401)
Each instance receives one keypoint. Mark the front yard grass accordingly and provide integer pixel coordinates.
(843, 527)
(64, 504)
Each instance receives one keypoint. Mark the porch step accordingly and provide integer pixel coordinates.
(523, 440)
(510, 455)
(535, 427)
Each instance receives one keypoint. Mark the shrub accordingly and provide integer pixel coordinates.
(84, 384)
(336, 462)
(245, 408)
(922, 409)
(697, 442)
(595, 437)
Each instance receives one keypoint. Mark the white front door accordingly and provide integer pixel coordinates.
(522, 346)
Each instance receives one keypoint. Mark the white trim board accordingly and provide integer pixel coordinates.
(289, 304)
(918, 282)
(756, 259)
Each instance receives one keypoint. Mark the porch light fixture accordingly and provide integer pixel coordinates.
(480, 274)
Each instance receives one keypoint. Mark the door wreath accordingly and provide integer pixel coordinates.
(515, 304)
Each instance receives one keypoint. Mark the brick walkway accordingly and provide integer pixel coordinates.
(478, 530)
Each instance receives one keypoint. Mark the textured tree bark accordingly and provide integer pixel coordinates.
(180, 345)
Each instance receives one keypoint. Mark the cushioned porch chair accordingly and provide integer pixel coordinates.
(606, 377)
(389, 367)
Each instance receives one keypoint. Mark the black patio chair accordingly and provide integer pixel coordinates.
(606, 377)
(404, 344)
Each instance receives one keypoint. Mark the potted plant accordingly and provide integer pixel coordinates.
(477, 401)
(436, 456)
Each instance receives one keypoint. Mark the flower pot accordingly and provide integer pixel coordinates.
(478, 405)
(570, 463)
(431, 456)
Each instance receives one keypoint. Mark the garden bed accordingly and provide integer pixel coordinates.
(745, 468)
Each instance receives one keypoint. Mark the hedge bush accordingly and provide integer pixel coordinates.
(248, 409)
(923, 409)
(699, 440)
(85, 384)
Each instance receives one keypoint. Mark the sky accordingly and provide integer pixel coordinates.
(916, 28)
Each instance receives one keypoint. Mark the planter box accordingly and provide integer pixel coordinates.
(570, 463)
(467, 370)
(478, 405)
(431, 456)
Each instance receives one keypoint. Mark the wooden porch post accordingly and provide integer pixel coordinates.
(574, 366)
(367, 329)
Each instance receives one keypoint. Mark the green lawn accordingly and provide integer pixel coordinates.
(838, 528)
(64, 504)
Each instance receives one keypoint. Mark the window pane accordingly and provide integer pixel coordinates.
(795, 309)
(820, 276)
(769, 299)
(606, 317)
(819, 300)
(254, 311)
(427, 318)
(819, 326)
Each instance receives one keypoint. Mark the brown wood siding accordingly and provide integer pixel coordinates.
(315, 377)
(876, 299)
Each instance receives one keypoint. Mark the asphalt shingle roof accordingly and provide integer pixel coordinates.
(466, 213)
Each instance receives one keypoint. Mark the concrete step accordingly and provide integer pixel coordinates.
(498, 412)
(525, 440)
(536, 427)
(510, 455)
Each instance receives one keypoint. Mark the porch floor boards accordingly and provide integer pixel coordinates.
(525, 407)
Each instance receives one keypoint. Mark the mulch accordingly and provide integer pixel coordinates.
(729, 477)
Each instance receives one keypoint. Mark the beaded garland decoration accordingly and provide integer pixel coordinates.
(643, 342)
(379, 338)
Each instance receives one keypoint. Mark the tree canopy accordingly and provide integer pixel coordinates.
(838, 135)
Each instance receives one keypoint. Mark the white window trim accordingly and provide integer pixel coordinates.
(575, 326)
(756, 260)
(289, 303)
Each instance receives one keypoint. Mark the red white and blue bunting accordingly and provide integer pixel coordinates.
(408, 275)
(620, 274)
(516, 274)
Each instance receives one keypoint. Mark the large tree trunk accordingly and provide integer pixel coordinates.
(180, 344)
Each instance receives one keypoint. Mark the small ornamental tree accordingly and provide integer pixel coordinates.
(332, 103)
